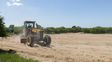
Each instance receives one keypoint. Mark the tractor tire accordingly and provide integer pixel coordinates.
(30, 42)
(47, 41)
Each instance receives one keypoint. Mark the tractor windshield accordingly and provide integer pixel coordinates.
(30, 25)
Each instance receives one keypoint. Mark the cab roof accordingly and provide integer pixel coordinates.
(29, 21)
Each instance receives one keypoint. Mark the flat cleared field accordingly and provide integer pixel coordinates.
(70, 47)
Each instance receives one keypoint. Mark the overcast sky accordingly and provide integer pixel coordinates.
(84, 13)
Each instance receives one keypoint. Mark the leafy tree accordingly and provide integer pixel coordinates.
(3, 32)
(74, 27)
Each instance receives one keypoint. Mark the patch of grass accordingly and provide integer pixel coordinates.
(7, 57)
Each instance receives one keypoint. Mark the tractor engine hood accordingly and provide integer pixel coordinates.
(36, 30)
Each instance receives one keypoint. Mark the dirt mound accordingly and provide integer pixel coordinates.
(68, 47)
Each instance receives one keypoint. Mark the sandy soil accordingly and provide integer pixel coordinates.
(70, 47)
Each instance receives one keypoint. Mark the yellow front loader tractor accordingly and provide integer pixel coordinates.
(34, 34)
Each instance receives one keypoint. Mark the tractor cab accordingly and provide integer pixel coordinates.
(31, 24)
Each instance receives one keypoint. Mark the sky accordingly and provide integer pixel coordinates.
(56, 13)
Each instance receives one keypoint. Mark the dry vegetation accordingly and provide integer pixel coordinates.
(70, 47)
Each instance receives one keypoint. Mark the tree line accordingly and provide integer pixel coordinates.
(76, 29)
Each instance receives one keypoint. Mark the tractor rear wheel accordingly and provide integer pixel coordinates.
(47, 40)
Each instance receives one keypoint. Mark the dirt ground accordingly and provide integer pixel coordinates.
(70, 47)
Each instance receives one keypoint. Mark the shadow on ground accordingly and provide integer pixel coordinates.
(7, 51)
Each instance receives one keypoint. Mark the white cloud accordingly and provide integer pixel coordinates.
(17, 4)
(14, 3)
(14, 0)
(9, 4)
